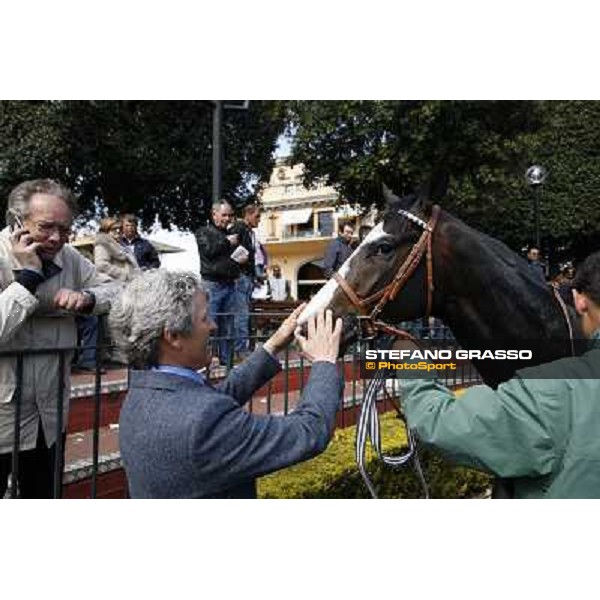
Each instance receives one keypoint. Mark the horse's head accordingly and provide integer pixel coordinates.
(374, 265)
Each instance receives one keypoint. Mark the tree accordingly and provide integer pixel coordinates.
(569, 147)
(470, 155)
(143, 157)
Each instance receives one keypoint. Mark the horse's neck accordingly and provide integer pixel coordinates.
(486, 292)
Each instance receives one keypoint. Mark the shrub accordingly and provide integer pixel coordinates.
(334, 473)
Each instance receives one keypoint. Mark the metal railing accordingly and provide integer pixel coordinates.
(61, 396)
(279, 396)
(64, 356)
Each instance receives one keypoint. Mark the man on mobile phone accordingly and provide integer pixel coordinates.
(44, 283)
(17, 298)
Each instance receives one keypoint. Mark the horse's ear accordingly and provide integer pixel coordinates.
(436, 187)
(392, 201)
(424, 195)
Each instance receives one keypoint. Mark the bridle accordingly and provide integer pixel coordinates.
(391, 290)
(405, 271)
(368, 422)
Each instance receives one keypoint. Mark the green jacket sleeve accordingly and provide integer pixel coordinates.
(499, 431)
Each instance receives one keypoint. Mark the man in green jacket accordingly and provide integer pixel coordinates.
(541, 428)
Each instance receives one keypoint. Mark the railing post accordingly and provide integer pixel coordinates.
(355, 348)
(301, 374)
(58, 462)
(286, 380)
(96, 424)
(17, 399)
(341, 364)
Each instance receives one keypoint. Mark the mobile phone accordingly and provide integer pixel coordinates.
(14, 220)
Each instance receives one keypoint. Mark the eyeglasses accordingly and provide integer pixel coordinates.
(47, 229)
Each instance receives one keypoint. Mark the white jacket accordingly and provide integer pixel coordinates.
(16, 304)
(113, 259)
(31, 322)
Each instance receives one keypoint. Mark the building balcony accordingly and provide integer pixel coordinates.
(299, 235)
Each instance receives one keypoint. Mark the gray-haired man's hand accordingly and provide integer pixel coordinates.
(323, 339)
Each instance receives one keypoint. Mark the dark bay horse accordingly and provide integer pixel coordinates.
(480, 288)
(420, 261)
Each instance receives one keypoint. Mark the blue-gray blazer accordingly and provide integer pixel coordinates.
(181, 439)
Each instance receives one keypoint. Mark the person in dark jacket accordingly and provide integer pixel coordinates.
(248, 277)
(216, 243)
(145, 253)
(338, 250)
(179, 436)
(539, 429)
(247, 238)
(536, 267)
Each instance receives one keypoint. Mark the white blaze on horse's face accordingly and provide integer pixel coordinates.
(325, 295)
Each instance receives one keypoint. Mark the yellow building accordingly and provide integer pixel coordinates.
(298, 223)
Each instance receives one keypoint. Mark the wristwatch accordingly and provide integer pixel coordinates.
(92, 298)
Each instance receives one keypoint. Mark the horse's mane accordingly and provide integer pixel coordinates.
(496, 248)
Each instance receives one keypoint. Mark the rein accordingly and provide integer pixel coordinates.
(563, 307)
(368, 423)
(368, 428)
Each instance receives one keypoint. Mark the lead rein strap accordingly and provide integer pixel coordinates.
(368, 427)
(563, 306)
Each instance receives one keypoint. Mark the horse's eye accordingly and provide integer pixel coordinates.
(384, 249)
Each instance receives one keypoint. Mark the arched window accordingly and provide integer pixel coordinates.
(311, 278)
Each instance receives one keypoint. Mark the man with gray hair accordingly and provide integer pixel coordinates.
(216, 243)
(16, 299)
(179, 436)
(51, 291)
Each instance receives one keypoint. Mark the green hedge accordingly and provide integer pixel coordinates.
(334, 473)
